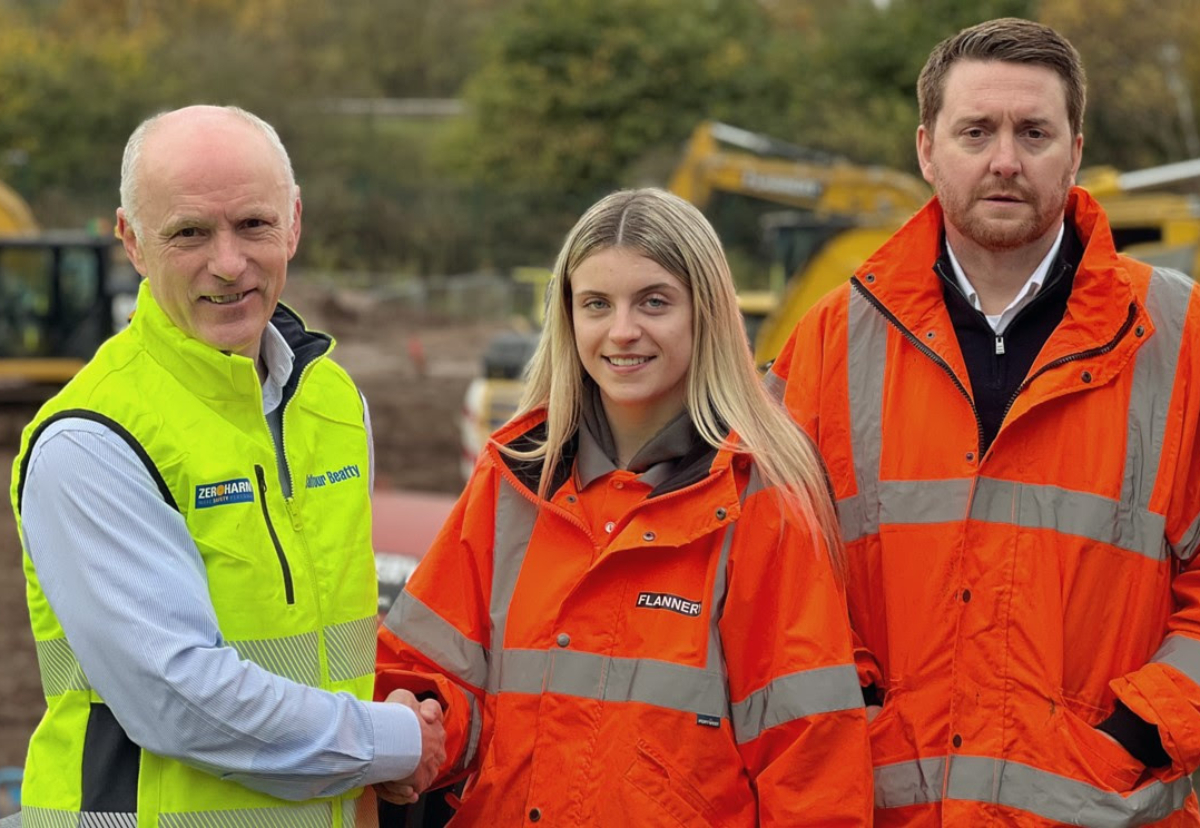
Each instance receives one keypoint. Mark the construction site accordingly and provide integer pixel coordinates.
(795, 224)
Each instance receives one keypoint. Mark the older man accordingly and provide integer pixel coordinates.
(1008, 410)
(204, 619)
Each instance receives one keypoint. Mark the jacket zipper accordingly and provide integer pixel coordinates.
(283, 561)
(1063, 360)
(507, 474)
(923, 348)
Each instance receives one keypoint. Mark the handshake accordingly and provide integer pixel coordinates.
(433, 750)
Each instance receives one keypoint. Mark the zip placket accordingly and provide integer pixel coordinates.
(923, 348)
(289, 501)
(288, 587)
(1063, 360)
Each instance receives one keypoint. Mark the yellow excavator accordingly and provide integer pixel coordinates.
(794, 222)
(62, 293)
(818, 217)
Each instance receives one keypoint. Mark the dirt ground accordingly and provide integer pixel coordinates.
(415, 412)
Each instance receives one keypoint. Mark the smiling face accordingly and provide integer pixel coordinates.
(633, 331)
(218, 223)
(1002, 156)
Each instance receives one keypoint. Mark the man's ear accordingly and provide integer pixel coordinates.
(294, 231)
(925, 152)
(130, 241)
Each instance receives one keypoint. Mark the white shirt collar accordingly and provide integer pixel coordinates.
(279, 358)
(1033, 284)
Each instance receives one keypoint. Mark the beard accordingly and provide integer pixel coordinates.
(1044, 212)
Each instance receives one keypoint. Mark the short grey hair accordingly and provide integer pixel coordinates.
(131, 184)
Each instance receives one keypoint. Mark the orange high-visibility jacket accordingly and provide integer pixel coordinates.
(1003, 602)
(690, 664)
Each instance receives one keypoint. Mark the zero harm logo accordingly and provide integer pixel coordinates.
(661, 600)
(220, 494)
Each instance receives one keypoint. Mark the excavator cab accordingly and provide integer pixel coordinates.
(60, 297)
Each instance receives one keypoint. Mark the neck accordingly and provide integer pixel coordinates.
(633, 429)
(997, 275)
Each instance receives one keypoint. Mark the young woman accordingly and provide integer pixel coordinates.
(634, 614)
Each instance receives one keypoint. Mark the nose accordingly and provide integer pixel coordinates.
(227, 261)
(625, 327)
(1005, 162)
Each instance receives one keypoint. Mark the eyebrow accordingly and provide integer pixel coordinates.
(657, 287)
(988, 120)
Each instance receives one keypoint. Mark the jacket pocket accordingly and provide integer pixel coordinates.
(669, 789)
(1105, 761)
(285, 568)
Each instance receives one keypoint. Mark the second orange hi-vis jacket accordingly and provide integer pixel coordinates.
(1005, 602)
(686, 662)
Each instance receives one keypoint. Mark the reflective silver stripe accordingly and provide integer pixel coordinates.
(59, 668)
(1025, 788)
(715, 659)
(775, 385)
(1150, 398)
(866, 359)
(910, 783)
(1070, 512)
(603, 678)
(924, 501)
(48, 818)
(350, 812)
(1167, 302)
(420, 627)
(515, 517)
(1019, 786)
(313, 815)
(1182, 653)
(1087, 515)
(93, 819)
(1186, 548)
(350, 648)
(796, 696)
(476, 727)
(295, 656)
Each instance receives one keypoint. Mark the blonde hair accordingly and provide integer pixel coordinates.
(724, 391)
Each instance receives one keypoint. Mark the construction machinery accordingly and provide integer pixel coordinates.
(1149, 219)
(794, 221)
(62, 293)
(819, 217)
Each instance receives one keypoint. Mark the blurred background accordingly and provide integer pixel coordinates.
(444, 147)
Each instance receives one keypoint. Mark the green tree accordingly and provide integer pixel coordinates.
(1133, 50)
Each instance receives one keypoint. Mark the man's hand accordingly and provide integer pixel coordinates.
(433, 750)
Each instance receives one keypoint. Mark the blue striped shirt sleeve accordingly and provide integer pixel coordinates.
(128, 585)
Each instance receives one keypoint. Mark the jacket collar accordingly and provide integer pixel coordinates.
(212, 374)
(675, 458)
(900, 277)
(655, 463)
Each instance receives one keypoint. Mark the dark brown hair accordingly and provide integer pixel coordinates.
(1011, 40)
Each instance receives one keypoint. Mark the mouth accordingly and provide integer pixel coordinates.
(627, 361)
(225, 298)
(1004, 198)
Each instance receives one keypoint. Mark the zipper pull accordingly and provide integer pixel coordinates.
(999, 345)
(293, 513)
